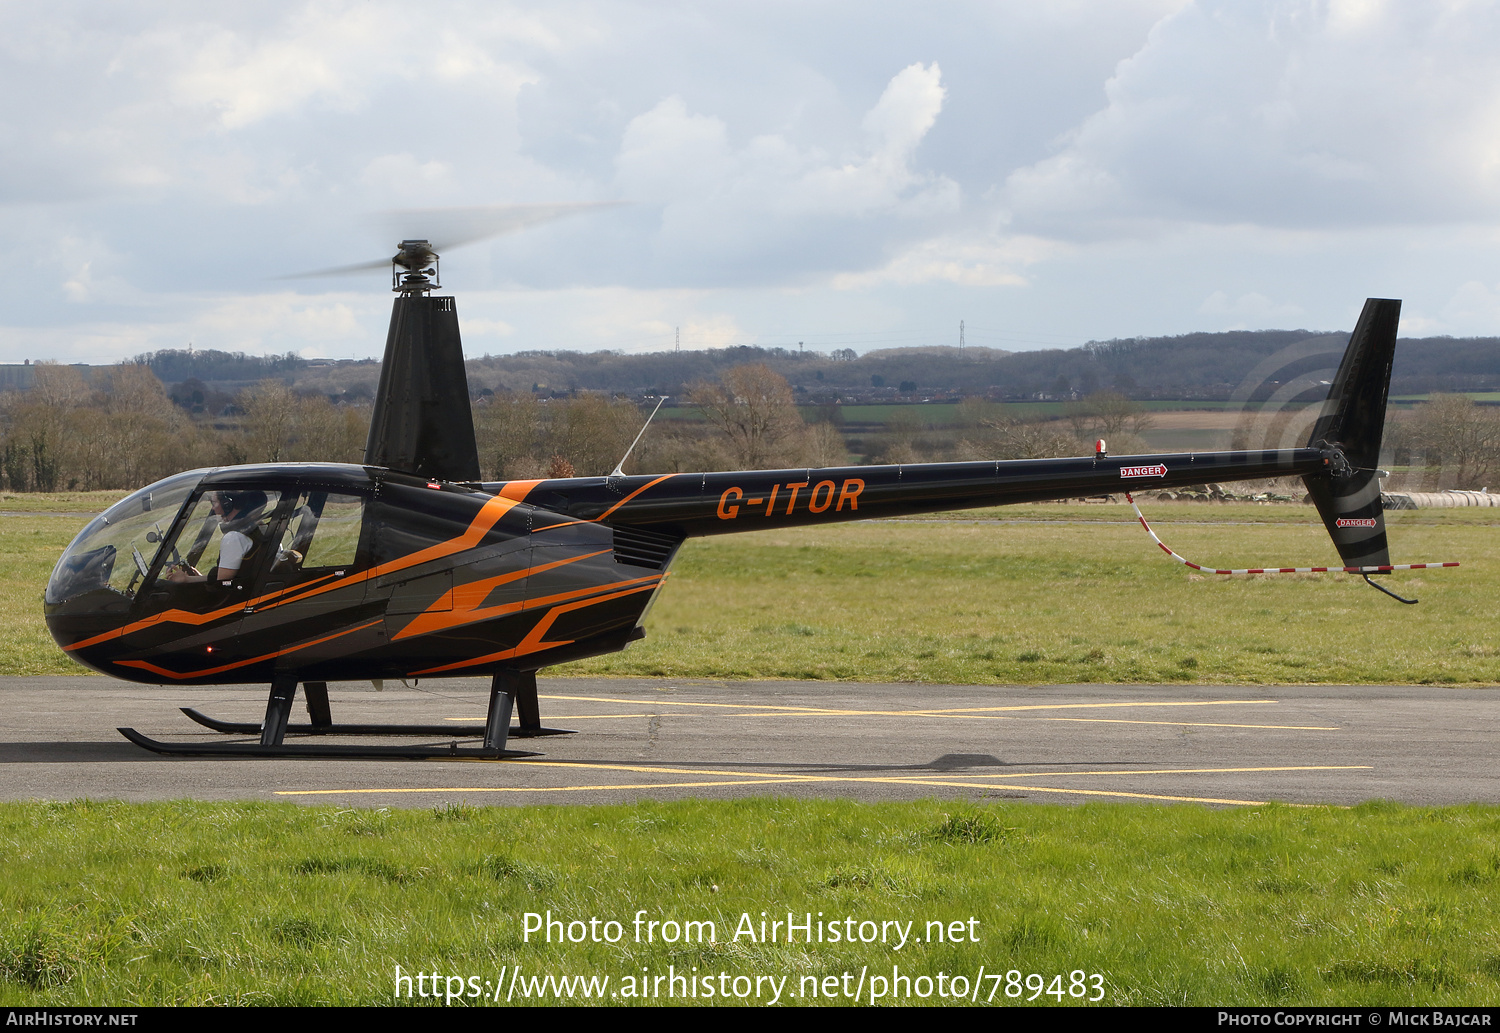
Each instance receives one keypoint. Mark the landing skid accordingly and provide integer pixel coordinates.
(508, 690)
(461, 731)
(328, 751)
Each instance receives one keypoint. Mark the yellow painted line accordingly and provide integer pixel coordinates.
(1170, 771)
(757, 778)
(1084, 720)
(1095, 792)
(772, 781)
(1190, 724)
(929, 712)
(680, 703)
(525, 789)
(1072, 706)
(564, 717)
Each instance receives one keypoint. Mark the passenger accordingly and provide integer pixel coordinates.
(237, 512)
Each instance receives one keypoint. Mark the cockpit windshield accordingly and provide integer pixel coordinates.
(116, 549)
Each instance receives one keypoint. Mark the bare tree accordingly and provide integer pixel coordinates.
(825, 446)
(43, 426)
(1461, 438)
(1106, 414)
(270, 416)
(753, 408)
(1002, 436)
(592, 432)
(508, 427)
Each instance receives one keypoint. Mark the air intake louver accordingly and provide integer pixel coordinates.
(642, 548)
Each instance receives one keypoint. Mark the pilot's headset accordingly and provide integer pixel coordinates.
(250, 504)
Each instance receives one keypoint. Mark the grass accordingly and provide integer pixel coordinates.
(207, 903)
(88, 502)
(1056, 593)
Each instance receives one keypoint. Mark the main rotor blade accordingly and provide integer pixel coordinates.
(449, 228)
(339, 270)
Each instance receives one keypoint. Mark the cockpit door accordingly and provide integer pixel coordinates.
(209, 566)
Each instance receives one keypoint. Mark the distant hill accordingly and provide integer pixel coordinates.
(1207, 366)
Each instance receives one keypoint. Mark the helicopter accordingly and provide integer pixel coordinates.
(411, 566)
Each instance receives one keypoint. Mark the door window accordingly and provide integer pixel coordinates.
(321, 537)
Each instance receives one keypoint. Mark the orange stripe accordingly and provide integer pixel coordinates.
(632, 495)
(521, 605)
(464, 600)
(517, 491)
(146, 665)
(532, 642)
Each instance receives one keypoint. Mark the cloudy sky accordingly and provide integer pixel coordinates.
(845, 174)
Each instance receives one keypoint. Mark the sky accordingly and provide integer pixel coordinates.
(835, 174)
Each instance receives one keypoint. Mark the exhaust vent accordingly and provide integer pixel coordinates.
(642, 548)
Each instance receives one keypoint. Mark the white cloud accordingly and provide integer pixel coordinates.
(965, 261)
(1286, 113)
(396, 174)
(1251, 311)
(791, 210)
(1472, 304)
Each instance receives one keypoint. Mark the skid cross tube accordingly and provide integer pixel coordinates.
(519, 685)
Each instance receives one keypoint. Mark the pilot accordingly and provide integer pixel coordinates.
(237, 512)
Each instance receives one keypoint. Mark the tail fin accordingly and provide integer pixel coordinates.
(1353, 419)
(422, 422)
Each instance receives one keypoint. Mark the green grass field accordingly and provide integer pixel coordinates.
(198, 903)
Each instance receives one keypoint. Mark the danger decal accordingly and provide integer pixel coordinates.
(1143, 471)
(1355, 522)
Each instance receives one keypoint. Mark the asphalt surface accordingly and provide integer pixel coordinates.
(672, 738)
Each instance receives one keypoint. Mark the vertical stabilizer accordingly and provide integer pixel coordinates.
(422, 422)
(1353, 420)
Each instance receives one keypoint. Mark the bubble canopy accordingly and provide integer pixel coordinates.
(114, 552)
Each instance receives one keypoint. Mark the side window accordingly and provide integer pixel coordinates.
(321, 535)
(210, 539)
(220, 543)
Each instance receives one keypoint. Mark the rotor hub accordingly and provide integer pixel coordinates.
(420, 263)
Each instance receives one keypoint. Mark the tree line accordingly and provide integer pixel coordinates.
(124, 429)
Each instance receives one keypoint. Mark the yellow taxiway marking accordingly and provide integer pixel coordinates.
(774, 781)
(1177, 771)
(1084, 720)
(928, 712)
(1190, 724)
(568, 717)
(759, 778)
(972, 713)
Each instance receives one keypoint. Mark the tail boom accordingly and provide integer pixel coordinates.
(689, 505)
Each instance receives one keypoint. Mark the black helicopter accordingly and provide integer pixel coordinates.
(410, 566)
